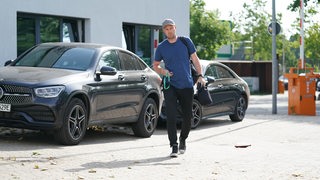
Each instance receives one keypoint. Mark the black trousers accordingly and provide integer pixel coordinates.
(185, 98)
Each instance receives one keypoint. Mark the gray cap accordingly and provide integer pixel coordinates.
(168, 22)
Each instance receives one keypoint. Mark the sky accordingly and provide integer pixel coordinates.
(235, 6)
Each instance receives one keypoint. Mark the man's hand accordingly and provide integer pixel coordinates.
(201, 80)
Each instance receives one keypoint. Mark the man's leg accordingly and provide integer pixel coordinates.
(171, 111)
(185, 99)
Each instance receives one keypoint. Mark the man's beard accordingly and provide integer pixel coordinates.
(171, 37)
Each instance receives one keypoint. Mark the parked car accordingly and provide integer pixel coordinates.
(284, 80)
(230, 95)
(64, 88)
(318, 84)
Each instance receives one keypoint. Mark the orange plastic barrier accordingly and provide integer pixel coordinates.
(280, 87)
(301, 92)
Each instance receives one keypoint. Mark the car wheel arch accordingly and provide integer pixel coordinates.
(156, 97)
(246, 98)
(84, 98)
(196, 113)
(239, 109)
(75, 121)
(147, 120)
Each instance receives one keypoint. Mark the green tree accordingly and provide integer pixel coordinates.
(312, 48)
(207, 31)
(253, 23)
(311, 31)
(291, 52)
(295, 5)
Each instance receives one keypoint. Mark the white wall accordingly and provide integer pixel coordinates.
(104, 18)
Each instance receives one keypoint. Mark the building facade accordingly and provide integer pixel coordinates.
(134, 25)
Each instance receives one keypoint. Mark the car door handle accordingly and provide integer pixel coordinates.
(220, 85)
(143, 77)
(121, 77)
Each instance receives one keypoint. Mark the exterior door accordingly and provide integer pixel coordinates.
(221, 90)
(119, 96)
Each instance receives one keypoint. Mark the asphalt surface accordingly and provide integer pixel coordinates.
(263, 146)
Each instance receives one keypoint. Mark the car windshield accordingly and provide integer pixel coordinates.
(63, 57)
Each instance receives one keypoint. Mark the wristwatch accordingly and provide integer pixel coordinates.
(200, 75)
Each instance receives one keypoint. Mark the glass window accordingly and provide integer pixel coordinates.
(70, 32)
(58, 57)
(33, 29)
(74, 58)
(141, 64)
(223, 73)
(109, 58)
(49, 29)
(140, 39)
(25, 34)
(211, 71)
(144, 43)
(127, 61)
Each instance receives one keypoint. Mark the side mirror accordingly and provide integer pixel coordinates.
(210, 79)
(8, 62)
(105, 70)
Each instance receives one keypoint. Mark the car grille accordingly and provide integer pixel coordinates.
(16, 95)
(19, 95)
(36, 113)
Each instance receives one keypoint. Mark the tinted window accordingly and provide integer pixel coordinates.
(128, 61)
(141, 64)
(26, 37)
(58, 57)
(33, 29)
(223, 72)
(110, 58)
(218, 72)
(211, 71)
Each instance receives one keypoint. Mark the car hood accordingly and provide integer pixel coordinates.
(34, 75)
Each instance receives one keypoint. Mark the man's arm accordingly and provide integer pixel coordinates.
(157, 68)
(196, 63)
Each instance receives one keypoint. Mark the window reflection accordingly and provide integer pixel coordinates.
(25, 34)
(33, 29)
(49, 29)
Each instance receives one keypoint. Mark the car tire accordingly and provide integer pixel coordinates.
(196, 114)
(239, 110)
(74, 123)
(148, 119)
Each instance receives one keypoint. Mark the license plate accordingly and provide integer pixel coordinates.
(5, 107)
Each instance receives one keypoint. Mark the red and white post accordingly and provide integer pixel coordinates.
(301, 34)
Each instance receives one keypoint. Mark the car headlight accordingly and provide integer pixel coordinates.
(49, 92)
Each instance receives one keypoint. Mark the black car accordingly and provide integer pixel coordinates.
(64, 88)
(230, 95)
(284, 80)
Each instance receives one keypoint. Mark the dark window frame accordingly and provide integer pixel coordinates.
(77, 34)
(136, 44)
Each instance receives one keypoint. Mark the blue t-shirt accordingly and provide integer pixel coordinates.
(176, 59)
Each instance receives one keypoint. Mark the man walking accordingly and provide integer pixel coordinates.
(179, 83)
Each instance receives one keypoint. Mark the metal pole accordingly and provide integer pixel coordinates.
(302, 33)
(283, 57)
(274, 61)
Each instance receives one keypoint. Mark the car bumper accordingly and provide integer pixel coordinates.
(29, 117)
(28, 111)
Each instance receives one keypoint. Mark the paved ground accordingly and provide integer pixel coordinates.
(280, 147)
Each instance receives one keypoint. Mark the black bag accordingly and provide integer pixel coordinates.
(194, 72)
(203, 95)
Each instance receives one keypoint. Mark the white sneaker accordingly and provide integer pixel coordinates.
(174, 152)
